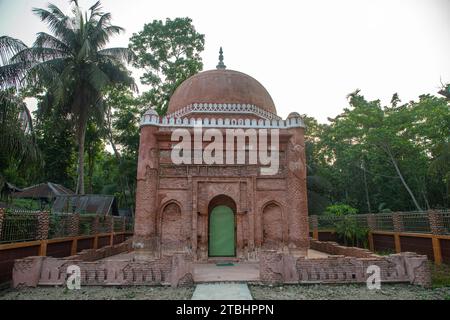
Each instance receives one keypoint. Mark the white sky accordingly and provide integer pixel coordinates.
(308, 54)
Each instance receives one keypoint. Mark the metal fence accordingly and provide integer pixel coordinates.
(446, 222)
(59, 225)
(384, 222)
(20, 226)
(409, 222)
(86, 225)
(415, 222)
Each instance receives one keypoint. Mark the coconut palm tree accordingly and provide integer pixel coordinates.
(72, 64)
(18, 147)
(17, 143)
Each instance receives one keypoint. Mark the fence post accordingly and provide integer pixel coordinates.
(111, 230)
(315, 227)
(95, 229)
(372, 224)
(74, 230)
(2, 218)
(43, 225)
(437, 228)
(74, 224)
(398, 227)
(43, 218)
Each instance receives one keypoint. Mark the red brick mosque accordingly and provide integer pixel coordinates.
(220, 210)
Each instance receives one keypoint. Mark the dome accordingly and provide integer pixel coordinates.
(221, 86)
(293, 115)
(151, 112)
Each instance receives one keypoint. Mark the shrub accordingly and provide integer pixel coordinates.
(340, 210)
(348, 230)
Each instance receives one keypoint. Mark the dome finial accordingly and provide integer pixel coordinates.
(221, 65)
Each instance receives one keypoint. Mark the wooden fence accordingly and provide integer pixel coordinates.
(422, 232)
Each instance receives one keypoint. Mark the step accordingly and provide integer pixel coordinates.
(223, 259)
(222, 291)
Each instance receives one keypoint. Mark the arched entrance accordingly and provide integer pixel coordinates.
(222, 227)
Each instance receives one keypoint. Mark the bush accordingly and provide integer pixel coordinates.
(347, 227)
(340, 210)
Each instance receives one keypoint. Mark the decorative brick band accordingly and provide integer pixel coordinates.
(155, 120)
(224, 108)
(276, 267)
(175, 270)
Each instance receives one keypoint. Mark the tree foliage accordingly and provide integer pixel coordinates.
(386, 157)
(73, 64)
(19, 154)
(169, 53)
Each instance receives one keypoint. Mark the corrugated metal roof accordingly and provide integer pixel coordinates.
(83, 204)
(12, 187)
(47, 190)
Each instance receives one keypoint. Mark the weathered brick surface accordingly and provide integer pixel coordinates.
(296, 195)
(397, 222)
(145, 237)
(43, 225)
(173, 202)
(173, 270)
(74, 224)
(276, 267)
(436, 222)
(97, 254)
(334, 248)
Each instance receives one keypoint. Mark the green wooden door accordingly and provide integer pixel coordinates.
(221, 232)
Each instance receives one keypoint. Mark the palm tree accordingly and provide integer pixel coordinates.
(18, 147)
(17, 143)
(73, 65)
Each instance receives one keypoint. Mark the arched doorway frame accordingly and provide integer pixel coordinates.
(222, 200)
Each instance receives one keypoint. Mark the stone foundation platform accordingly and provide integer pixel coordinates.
(343, 265)
(104, 267)
(119, 266)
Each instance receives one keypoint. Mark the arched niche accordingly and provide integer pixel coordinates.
(171, 227)
(272, 225)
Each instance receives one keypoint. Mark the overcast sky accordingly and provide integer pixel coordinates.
(308, 54)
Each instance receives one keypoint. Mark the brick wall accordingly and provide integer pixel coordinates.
(102, 253)
(334, 248)
(173, 270)
(345, 265)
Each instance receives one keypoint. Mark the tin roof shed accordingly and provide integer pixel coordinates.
(86, 204)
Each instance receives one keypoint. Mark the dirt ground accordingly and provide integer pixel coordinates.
(287, 292)
(99, 293)
(348, 292)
